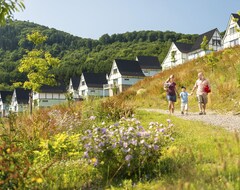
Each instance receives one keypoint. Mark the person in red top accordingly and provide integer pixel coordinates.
(171, 90)
(203, 87)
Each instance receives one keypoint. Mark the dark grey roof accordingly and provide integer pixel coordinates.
(53, 89)
(22, 95)
(236, 16)
(5, 95)
(149, 62)
(183, 47)
(129, 67)
(75, 82)
(197, 44)
(95, 80)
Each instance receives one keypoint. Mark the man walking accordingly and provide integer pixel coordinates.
(203, 88)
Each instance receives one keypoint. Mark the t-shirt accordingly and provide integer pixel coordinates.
(171, 89)
(200, 84)
(184, 97)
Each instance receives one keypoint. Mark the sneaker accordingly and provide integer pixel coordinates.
(200, 113)
(182, 113)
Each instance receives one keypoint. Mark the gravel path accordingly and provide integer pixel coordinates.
(228, 121)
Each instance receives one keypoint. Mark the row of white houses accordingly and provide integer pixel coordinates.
(123, 74)
(179, 53)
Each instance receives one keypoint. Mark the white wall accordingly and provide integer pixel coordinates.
(232, 37)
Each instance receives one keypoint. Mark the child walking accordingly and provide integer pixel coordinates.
(184, 101)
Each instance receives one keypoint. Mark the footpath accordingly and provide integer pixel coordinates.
(228, 121)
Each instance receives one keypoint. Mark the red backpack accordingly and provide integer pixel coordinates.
(207, 89)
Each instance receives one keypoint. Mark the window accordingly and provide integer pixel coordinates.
(216, 42)
(234, 42)
(83, 82)
(45, 100)
(232, 30)
(114, 71)
(126, 79)
(83, 92)
(92, 91)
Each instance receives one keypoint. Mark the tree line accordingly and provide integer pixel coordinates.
(78, 54)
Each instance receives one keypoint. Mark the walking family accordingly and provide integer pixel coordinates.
(203, 88)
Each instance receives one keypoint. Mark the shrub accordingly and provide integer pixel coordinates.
(125, 149)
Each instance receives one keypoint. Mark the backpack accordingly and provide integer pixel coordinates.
(207, 89)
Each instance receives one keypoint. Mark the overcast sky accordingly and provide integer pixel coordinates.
(93, 18)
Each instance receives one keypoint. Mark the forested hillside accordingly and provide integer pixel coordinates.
(79, 54)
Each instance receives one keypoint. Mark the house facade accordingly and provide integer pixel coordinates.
(214, 43)
(49, 96)
(123, 74)
(232, 35)
(73, 87)
(5, 101)
(20, 100)
(150, 65)
(177, 54)
(91, 84)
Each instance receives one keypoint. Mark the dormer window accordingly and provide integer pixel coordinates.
(232, 30)
(83, 83)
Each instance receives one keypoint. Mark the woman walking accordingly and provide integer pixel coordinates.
(170, 87)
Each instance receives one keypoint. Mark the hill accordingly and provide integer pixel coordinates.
(79, 54)
(224, 79)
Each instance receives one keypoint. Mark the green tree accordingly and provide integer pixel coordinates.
(204, 44)
(37, 64)
(8, 7)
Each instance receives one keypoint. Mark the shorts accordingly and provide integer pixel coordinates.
(172, 98)
(203, 99)
(184, 106)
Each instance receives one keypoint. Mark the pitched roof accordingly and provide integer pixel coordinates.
(197, 44)
(22, 95)
(75, 82)
(148, 62)
(236, 16)
(53, 89)
(129, 67)
(183, 47)
(95, 80)
(5, 95)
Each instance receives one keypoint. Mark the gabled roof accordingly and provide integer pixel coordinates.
(75, 82)
(5, 95)
(22, 95)
(53, 89)
(129, 67)
(95, 80)
(148, 62)
(236, 16)
(183, 47)
(197, 44)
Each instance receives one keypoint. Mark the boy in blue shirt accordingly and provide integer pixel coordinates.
(184, 100)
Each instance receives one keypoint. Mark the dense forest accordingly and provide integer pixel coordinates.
(79, 54)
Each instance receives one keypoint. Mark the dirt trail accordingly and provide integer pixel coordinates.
(228, 121)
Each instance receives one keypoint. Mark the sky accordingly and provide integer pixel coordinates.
(93, 18)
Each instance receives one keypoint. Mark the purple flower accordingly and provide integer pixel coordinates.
(128, 157)
(85, 155)
(125, 144)
(156, 147)
(104, 130)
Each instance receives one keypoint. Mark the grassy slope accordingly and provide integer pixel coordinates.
(201, 157)
(225, 95)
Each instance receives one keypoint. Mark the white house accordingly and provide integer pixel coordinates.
(214, 42)
(49, 96)
(123, 74)
(232, 36)
(150, 65)
(91, 84)
(177, 54)
(5, 101)
(73, 87)
(20, 100)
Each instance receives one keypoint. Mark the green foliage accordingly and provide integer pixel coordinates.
(211, 60)
(204, 44)
(38, 64)
(8, 7)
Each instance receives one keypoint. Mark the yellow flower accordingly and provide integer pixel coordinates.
(39, 180)
(8, 150)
